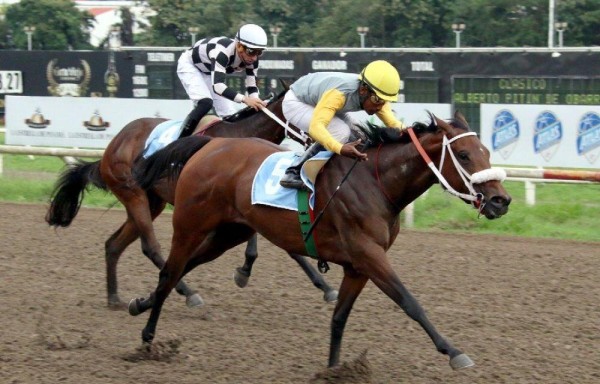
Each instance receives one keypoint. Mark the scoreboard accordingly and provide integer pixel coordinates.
(468, 92)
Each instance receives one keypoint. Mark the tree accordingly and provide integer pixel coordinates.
(583, 18)
(68, 28)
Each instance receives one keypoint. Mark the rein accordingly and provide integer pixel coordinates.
(300, 135)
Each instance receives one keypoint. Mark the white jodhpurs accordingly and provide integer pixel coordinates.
(199, 86)
(299, 114)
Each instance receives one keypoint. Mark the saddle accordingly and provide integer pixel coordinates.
(206, 122)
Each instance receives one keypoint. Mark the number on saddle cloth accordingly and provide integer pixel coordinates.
(266, 189)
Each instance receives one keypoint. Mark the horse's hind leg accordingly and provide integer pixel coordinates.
(330, 295)
(116, 245)
(113, 248)
(151, 248)
(242, 274)
(180, 263)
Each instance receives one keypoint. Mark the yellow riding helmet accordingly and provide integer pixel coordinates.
(383, 78)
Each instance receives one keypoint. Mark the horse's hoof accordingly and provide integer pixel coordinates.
(330, 296)
(461, 361)
(241, 278)
(194, 301)
(134, 307)
(147, 338)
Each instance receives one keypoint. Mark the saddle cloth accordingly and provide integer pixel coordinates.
(266, 189)
(167, 132)
(162, 135)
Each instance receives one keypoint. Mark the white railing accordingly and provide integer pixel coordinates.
(529, 176)
(66, 154)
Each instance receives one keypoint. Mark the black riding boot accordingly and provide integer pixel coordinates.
(292, 179)
(193, 118)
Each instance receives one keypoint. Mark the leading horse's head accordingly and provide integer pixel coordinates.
(465, 170)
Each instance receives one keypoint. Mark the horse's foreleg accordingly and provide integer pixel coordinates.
(242, 274)
(386, 279)
(330, 295)
(352, 285)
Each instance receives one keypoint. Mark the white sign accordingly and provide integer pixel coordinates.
(11, 82)
(83, 122)
(546, 136)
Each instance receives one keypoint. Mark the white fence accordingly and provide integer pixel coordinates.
(527, 175)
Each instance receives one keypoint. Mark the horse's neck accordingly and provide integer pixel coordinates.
(402, 172)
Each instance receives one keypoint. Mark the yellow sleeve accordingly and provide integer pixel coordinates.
(386, 115)
(331, 102)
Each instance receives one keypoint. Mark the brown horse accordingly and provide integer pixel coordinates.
(213, 212)
(113, 173)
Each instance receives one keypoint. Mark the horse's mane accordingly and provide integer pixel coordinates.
(249, 111)
(374, 134)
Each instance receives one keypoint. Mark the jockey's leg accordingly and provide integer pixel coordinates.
(193, 118)
(292, 179)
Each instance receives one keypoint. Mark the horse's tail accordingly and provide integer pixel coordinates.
(167, 162)
(69, 191)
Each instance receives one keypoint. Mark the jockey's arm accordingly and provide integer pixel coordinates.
(386, 115)
(217, 77)
(331, 102)
(251, 76)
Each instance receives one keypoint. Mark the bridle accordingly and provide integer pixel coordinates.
(479, 177)
(476, 199)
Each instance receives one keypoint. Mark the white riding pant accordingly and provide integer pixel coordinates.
(198, 86)
(300, 114)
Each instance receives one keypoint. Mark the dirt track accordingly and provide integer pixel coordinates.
(526, 311)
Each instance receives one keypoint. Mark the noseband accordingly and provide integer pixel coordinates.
(469, 180)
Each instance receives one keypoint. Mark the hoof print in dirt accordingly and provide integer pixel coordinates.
(357, 371)
(158, 351)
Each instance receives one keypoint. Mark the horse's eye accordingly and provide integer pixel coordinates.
(463, 156)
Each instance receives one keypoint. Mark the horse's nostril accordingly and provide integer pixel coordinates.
(501, 200)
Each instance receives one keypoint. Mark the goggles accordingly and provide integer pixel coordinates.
(376, 99)
(253, 51)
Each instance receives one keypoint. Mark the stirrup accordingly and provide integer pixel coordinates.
(292, 180)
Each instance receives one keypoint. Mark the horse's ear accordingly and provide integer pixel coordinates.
(460, 117)
(284, 84)
(440, 124)
(433, 119)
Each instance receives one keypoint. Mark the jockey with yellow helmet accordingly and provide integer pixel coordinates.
(202, 70)
(318, 102)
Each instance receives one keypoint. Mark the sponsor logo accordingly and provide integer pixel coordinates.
(588, 137)
(37, 120)
(96, 123)
(277, 64)
(329, 65)
(505, 133)
(547, 135)
(70, 80)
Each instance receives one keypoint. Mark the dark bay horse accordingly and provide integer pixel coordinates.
(113, 173)
(213, 212)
